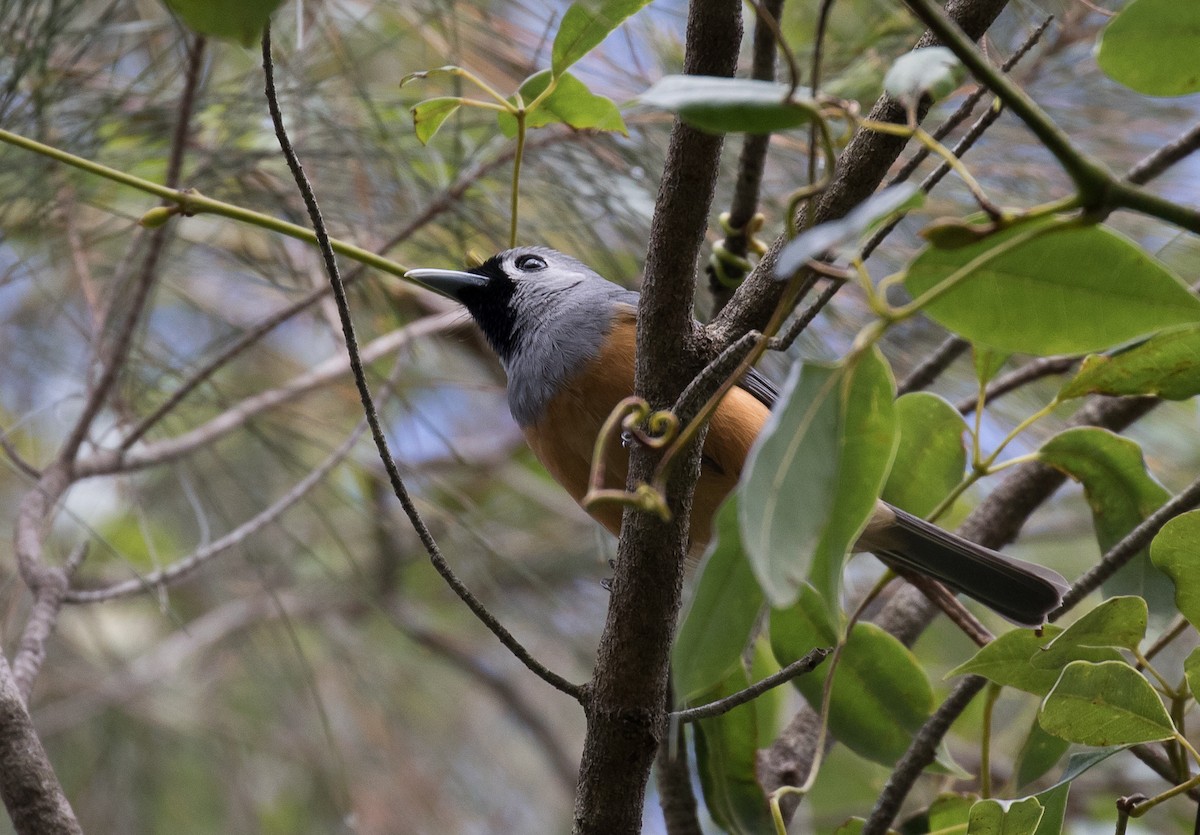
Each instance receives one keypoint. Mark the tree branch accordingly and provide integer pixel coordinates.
(627, 704)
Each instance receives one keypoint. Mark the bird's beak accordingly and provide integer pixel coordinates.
(449, 283)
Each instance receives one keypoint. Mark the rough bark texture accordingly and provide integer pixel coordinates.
(626, 705)
(32, 795)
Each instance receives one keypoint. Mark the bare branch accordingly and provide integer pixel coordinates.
(797, 668)
(372, 417)
(31, 791)
(160, 452)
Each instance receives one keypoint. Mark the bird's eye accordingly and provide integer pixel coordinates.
(530, 263)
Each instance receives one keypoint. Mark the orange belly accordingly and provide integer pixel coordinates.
(565, 436)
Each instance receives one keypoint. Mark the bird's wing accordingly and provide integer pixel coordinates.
(764, 390)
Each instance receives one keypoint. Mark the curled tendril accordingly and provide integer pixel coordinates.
(651, 429)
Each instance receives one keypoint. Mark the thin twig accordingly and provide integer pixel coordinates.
(920, 754)
(107, 462)
(1029, 372)
(48, 601)
(934, 365)
(112, 357)
(185, 567)
(797, 668)
(360, 381)
(1129, 547)
(1166, 156)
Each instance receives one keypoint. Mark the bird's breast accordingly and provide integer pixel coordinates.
(564, 436)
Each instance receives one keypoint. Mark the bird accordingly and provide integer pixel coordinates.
(566, 338)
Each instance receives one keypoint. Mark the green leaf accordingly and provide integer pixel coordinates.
(1121, 494)
(823, 238)
(932, 71)
(1150, 47)
(1054, 799)
(1117, 622)
(881, 695)
(726, 747)
(1029, 297)
(1014, 817)
(583, 29)
(1176, 552)
(930, 456)
(729, 105)
(814, 474)
(717, 627)
(1006, 660)
(429, 115)
(988, 363)
(1039, 753)
(571, 103)
(1104, 704)
(853, 826)
(1191, 670)
(234, 20)
(768, 707)
(948, 812)
(1167, 365)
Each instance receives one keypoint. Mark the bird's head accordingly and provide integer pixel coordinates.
(544, 313)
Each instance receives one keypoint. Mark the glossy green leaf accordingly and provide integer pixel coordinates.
(1039, 753)
(1006, 660)
(1150, 47)
(571, 103)
(949, 812)
(881, 695)
(729, 105)
(1029, 297)
(585, 26)
(1104, 704)
(234, 20)
(1054, 799)
(1121, 494)
(1176, 551)
(726, 604)
(1014, 817)
(1167, 365)
(429, 115)
(1191, 670)
(933, 71)
(1117, 622)
(726, 747)
(930, 455)
(814, 474)
(826, 238)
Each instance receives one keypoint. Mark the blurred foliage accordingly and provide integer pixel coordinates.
(319, 677)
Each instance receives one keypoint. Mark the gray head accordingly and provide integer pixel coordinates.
(544, 313)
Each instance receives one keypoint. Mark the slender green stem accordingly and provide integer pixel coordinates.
(1091, 177)
(987, 463)
(193, 203)
(484, 86)
(985, 741)
(1145, 806)
(1144, 664)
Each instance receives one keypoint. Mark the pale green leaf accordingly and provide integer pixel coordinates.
(726, 604)
(1029, 297)
(585, 26)
(1150, 47)
(729, 105)
(930, 455)
(1104, 704)
(1176, 551)
(1167, 365)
